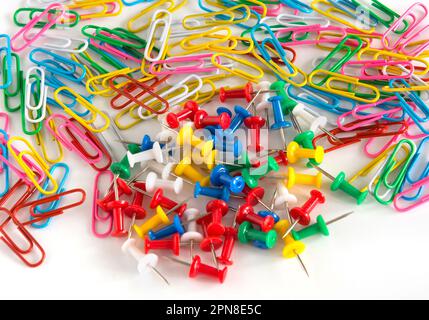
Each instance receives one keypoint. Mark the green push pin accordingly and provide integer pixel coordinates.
(287, 103)
(252, 178)
(244, 163)
(340, 183)
(122, 168)
(320, 227)
(247, 233)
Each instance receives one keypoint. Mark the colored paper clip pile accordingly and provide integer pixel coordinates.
(368, 88)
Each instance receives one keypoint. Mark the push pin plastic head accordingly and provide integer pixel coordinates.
(319, 227)
(246, 233)
(175, 227)
(188, 112)
(295, 152)
(247, 213)
(303, 179)
(242, 93)
(145, 262)
(159, 218)
(292, 247)
(144, 156)
(283, 196)
(152, 182)
(198, 267)
(217, 209)
(220, 177)
(202, 119)
(302, 214)
(172, 244)
(218, 193)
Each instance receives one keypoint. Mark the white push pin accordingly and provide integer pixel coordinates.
(313, 123)
(145, 262)
(152, 183)
(283, 196)
(191, 235)
(163, 170)
(153, 154)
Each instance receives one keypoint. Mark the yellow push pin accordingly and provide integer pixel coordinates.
(185, 168)
(292, 248)
(159, 218)
(186, 136)
(295, 152)
(304, 179)
(209, 160)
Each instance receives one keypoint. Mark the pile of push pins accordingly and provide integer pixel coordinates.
(369, 85)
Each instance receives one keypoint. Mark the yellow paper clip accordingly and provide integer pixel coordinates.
(257, 74)
(205, 39)
(29, 156)
(106, 8)
(40, 140)
(95, 112)
(344, 86)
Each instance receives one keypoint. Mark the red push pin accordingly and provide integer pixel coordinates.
(117, 207)
(172, 244)
(158, 199)
(202, 120)
(281, 158)
(188, 112)
(136, 208)
(122, 188)
(241, 93)
(301, 215)
(254, 196)
(216, 209)
(209, 243)
(247, 213)
(228, 245)
(255, 124)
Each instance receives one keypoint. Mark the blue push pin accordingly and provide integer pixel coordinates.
(228, 145)
(279, 119)
(264, 214)
(217, 193)
(240, 115)
(175, 227)
(220, 177)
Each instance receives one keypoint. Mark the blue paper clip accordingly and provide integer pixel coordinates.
(7, 51)
(59, 65)
(298, 5)
(411, 177)
(5, 167)
(420, 105)
(133, 3)
(53, 205)
(352, 10)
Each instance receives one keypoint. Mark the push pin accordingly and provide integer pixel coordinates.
(145, 262)
(117, 207)
(303, 179)
(175, 227)
(340, 183)
(152, 183)
(197, 267)
(241, 93)
(217, 209)
(136, 208)
(292, 248)
(320, 227)
(209, 243)
(255, 123)
(230, 237)
(192, 235)
(265, 214)
(202, 120)
(279, 119)
(144, 156)
(247, 213)
(255, 196)
(281, 158)
(295, 152)
(186, 136)
(185, 168)
(301, 215)
(246, 233)
(220, 177)
(241, 115)
(159, 218)
(284, 197)
(158, 199)
(172, 244)
(218, 193)
(122, 169)
(252, 175)
(122, 188)
(286, 102)
(188, 113)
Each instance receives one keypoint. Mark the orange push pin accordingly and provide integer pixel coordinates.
(304, 179)
(186, 136)
(292, 248)
(295, 152)
(185, 168)
(159, 218)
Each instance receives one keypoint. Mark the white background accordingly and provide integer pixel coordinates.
(375, 253)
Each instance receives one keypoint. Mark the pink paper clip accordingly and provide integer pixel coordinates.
(114, 51)
(272, 10)
(392, 40)
(415, 136)
(61, 135)
(96, 217)
(202, 63)
(5, 128)
(316, 30)
(28, 36)
(391, 141)
(380, 67)
(411, 191)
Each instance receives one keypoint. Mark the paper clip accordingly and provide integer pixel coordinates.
(394, 41)
(378, 69)
(16, 89)
(21, 253)
(353, 9)
(116, 37)
(97, 218)
(36, 159)
(253, 77)
(344, 86)
(212, 38)
(384, 182)
(416, 187)
(61, 134)
(105, 8)
(30, 12)
(41, 89)
(216, 18)
(62, 44)
(328, 9)
(4, 171)
(385, 15)
(317, 30)
(6, 58)
(95, 113)
(202, 64)
(58, 65)
(165, 24)
(29, 116)
(53, 205)
(24, 38)
(298, 5)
